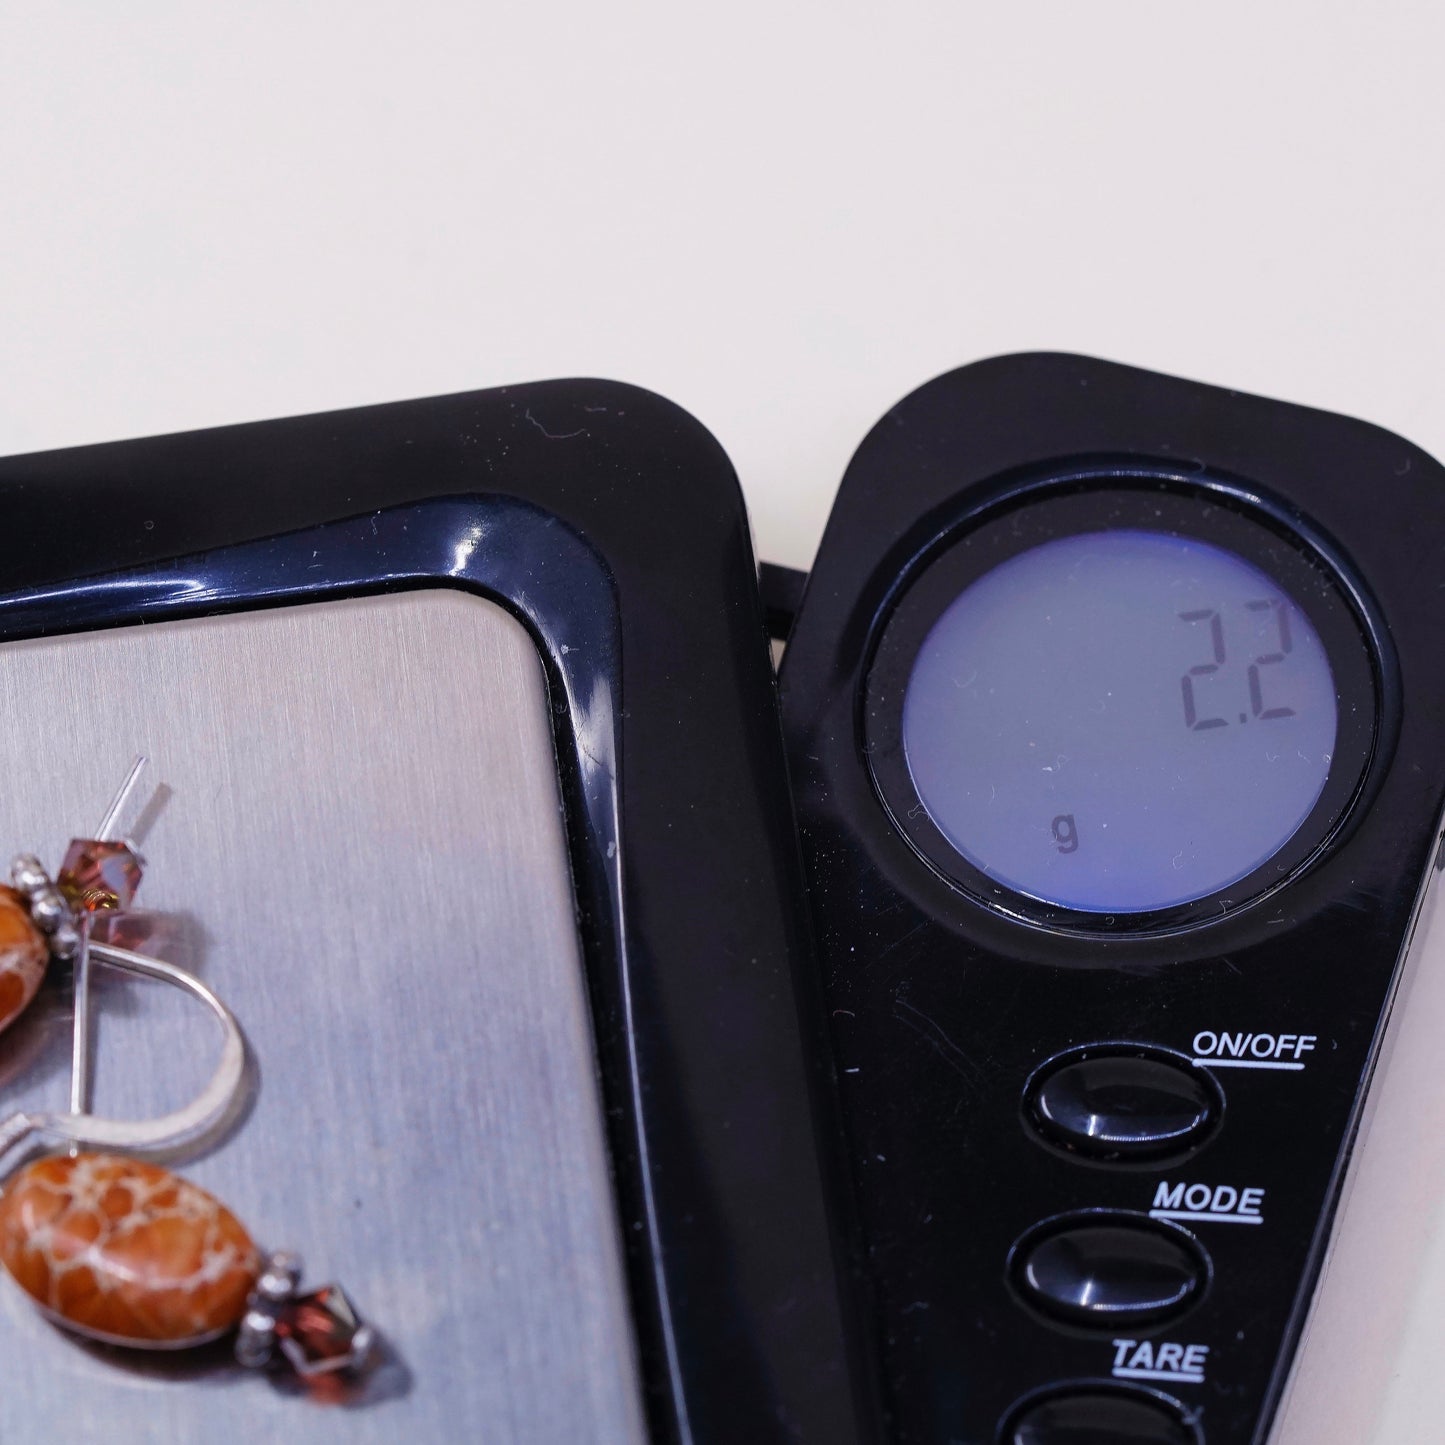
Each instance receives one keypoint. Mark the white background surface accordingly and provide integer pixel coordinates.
(783, 216)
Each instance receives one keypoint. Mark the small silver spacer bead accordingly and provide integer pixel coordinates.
(256, 1339)
(65, 941)
(280, 1278)
(48, 908)
(27, 873)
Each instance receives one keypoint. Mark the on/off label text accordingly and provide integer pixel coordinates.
(1221, 1049)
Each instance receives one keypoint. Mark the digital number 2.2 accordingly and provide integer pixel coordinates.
(1192, 719)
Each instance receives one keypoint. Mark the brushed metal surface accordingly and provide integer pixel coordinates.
(353, 832)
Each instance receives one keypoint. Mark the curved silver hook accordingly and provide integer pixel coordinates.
(170, 1130)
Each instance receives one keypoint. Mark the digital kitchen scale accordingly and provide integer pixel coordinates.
(470, 801)
(1114, 709)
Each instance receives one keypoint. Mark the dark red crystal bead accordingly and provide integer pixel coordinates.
(321, 1332)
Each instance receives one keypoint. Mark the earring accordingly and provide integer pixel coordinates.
(108, 1245)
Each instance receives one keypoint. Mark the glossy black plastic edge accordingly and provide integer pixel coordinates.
(611, 524)
(1134, 1219)
(1186, 1418)
(1207, 507)
(1047, 1136)
(959, 442)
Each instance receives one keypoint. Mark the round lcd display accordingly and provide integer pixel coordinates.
(1120, 721)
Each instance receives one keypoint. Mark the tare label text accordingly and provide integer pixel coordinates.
(1159, 1360)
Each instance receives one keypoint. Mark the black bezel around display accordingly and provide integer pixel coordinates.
(1080, 501)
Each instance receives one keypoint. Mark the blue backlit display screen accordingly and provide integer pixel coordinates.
(1121, 721)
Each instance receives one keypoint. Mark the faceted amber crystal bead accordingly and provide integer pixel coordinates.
(125, 1251)
(23, 956)
(96, 877)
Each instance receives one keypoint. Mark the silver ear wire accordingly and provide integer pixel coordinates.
(148, 1136)
(80, 1028)
(112, 813)
(80, 1128)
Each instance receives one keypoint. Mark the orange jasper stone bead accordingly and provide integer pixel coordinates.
(126, 1252)
(23, 956)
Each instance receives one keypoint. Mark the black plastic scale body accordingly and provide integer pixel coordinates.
(1094, 1155)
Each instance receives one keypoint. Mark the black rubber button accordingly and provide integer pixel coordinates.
(1100, 1417)
(1109, 1270)
(1123, 1103)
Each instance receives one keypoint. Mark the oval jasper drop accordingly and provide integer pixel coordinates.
(126, 1252)
(23, 956)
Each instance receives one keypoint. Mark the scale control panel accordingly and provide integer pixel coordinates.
(1114, 707)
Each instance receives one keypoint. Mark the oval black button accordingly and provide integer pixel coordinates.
(1123, 1103)
(1100, 1417)
(1109, 1269)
